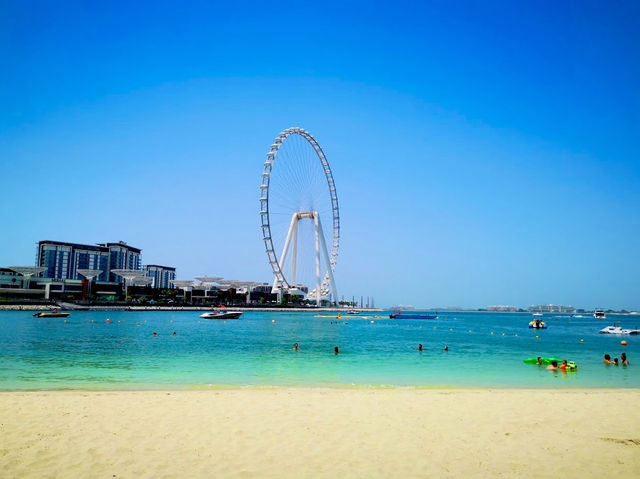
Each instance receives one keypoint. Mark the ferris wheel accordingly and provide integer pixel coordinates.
(298, 201)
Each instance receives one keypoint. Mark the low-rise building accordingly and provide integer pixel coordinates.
(503, 309)
(551, 308)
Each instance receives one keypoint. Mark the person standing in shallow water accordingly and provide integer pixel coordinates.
(295, 347)
(336, 351)
(419, 347)
(623, 359)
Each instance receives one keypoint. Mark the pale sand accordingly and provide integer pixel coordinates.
(333, 433)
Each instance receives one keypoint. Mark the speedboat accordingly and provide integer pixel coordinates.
(599, 314)
(221, 314)
(538, 314)
(618, 330)
(353, 311)
(413, 316)
(51, 314)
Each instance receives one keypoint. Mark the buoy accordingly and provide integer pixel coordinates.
(491, 333)
(372, 321)
(537, 337)
(581, 340)
(450, 329)
(273, 321)
(108, 320)
(623, 342)
(504, 334)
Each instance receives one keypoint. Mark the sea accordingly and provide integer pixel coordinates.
(87, 352)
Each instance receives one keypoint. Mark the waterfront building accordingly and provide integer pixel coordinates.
(10, 279)
(63, 259)
(161, 276)
(502, 308)
(122, 256)
(551, 308)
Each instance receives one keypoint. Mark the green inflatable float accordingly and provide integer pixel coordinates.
(544, 360)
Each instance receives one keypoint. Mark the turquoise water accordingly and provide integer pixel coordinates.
(84, 352)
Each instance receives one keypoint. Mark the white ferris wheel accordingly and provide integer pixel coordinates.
(298, 206)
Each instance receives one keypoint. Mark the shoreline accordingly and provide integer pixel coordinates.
(319, 432)
(321, 387)
(80, 308)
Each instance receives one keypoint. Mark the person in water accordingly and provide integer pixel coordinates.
(446, 348)
(553, 366)
(295, 347)
(564, 366)
(336, 351)
(615, 361)
(539, 361)
(607, 359)
(623, 359)
(420, 347)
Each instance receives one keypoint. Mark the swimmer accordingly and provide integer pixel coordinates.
(553, 366)
(295, 347)
(446, 348)
(336, 351)
(539, 361)
(155, 334)
(615, 361)
(174, 333)
(419, 347)
(623, 359)
(607, 359)
(564, 366)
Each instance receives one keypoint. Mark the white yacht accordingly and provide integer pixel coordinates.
(618, 330)
(599, 314)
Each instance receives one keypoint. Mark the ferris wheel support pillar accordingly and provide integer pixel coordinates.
(316, 228)
(294, 253)
(277, 287)
(320, 234)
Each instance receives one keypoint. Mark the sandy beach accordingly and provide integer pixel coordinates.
(290, 432)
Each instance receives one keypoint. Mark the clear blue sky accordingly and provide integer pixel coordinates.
(484, 152)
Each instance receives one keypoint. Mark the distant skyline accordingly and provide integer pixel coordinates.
(483, 152)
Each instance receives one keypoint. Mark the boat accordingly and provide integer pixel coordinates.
(538, 314)
(221, 314)
(51, 314)
(412, 316)
(618, 330)
(353, 311)
(599, 314)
